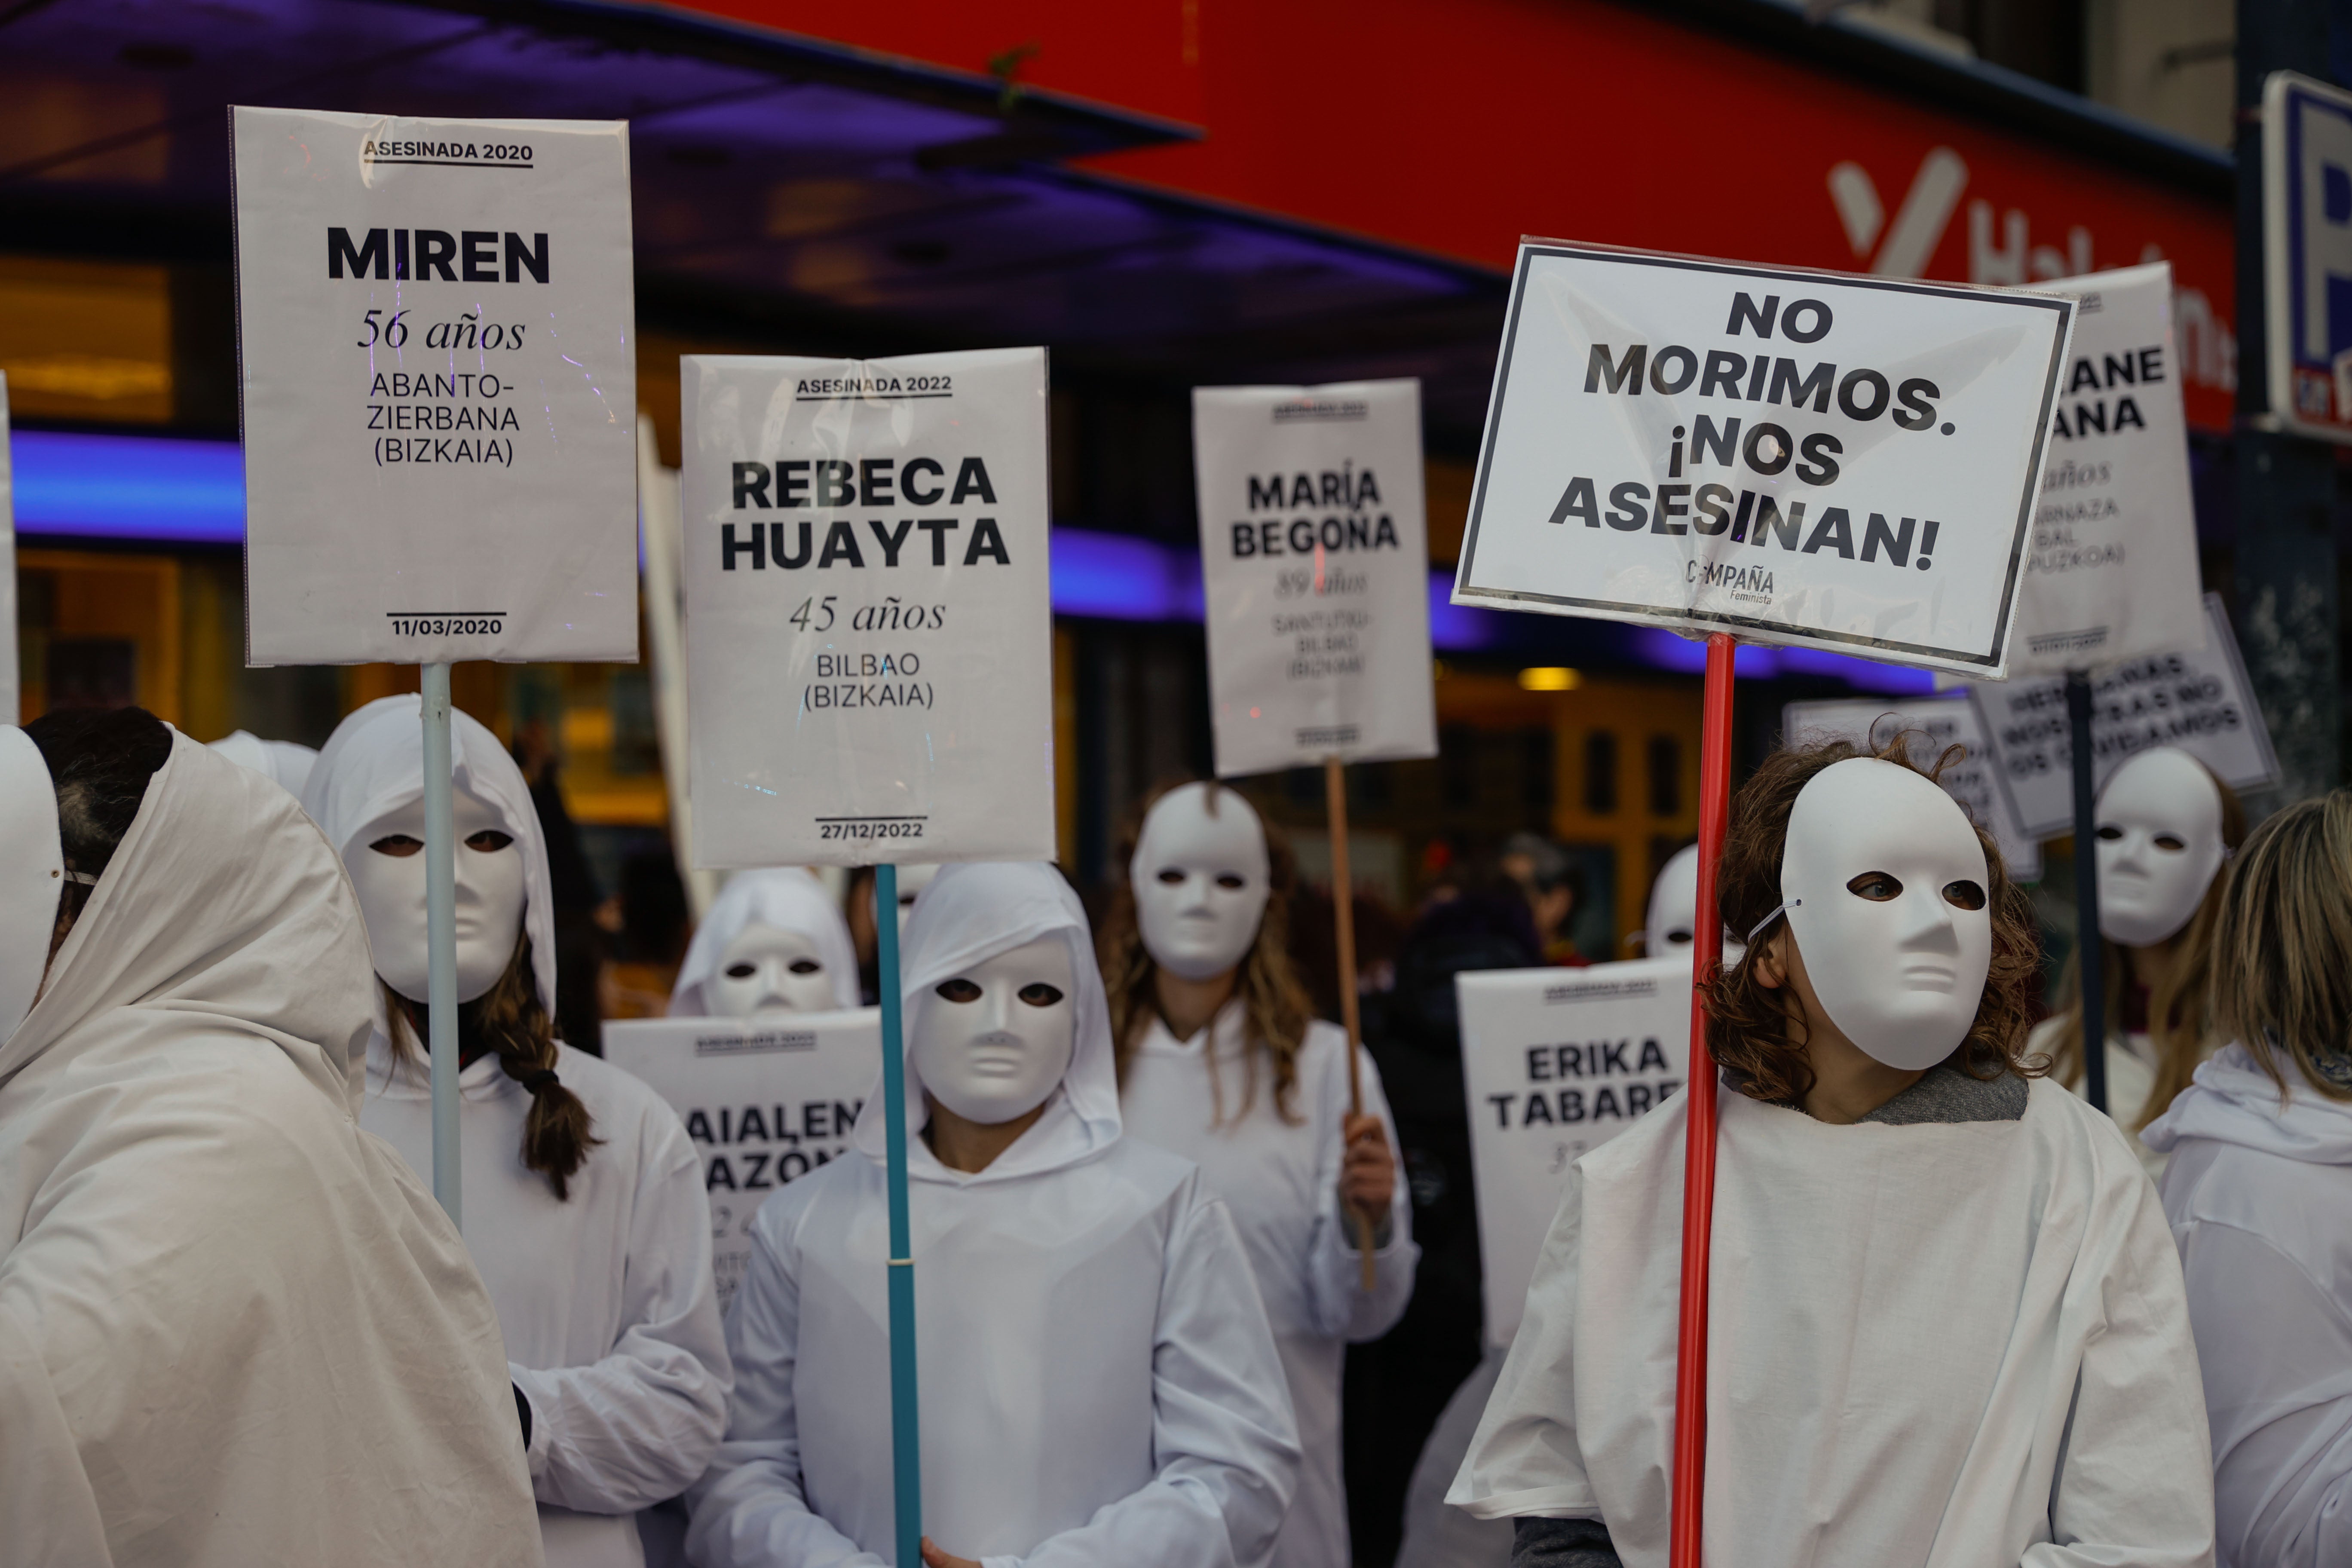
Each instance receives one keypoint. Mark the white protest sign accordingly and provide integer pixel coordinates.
(1315, 564)
(11, 700)
(436, 334)
(1974, 781)
(1556, 1062)
(764, 1100)
(2113, 568)
(868, 625)
(2199, 700)
(1794, 456)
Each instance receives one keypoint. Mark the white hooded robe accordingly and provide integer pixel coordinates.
(785, 897)
(234, 1327)
(1098, 1384)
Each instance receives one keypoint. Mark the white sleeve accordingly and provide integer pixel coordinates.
(2276, 1353)
(1525, 1460)
(1342, 1307)
(1222, 1433)
(2134, 1480)
(637, 1426)
(748, 1510)
(45, 1492)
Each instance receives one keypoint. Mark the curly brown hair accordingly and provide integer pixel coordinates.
(1275, 1009)
(1747, 1022)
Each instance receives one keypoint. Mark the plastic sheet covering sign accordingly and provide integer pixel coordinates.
(437, 329)
(9, 700)
(1934, 723)
(1556, 1062)
(868, 627)
(766, 1100)
(1794, 456)
(1315, 564)
(2197, 700)
(2112, 571)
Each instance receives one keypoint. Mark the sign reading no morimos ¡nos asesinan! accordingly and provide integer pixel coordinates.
(1795, 457)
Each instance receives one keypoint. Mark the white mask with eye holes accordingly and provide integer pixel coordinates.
(1201, 882)
(386, 862)
(993, 1043)
(766, 970)
(1883, 883)
(2160, 845)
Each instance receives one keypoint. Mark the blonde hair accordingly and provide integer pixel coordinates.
(1276, 1010)
(2282, 954)
(2179, 1008)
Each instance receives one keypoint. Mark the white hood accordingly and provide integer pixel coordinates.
(288, 761)
(788, 899)
(971, 912)
(2235, 1102)
(374, 763)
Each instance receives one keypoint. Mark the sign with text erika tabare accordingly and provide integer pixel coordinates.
(436, 340)
(868, 621)
(1315, 566)
(1792, 457)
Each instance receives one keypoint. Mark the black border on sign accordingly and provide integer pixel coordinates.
(1775, 631)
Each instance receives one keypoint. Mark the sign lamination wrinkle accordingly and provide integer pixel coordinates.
(1796, 457)
(868, 623)
(437, 361)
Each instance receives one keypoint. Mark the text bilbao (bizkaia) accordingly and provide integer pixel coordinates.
(868, 680)
(446, 416)
(1706, 487)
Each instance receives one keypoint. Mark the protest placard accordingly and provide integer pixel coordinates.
(2199, 700)
(1556, 1062)
(868, 625)
(1935, 722)
(1315, 566)
(437, 353)
(765, 1099)
(2113, 568)
(1788, 456)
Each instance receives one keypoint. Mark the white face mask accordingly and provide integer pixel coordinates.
(2160, 845)
(1201, 882)
(1886, 893)
(993, 1043)
(390, 882)
(32, 867)
(912, 880)
(766, 970)
(1674, 910)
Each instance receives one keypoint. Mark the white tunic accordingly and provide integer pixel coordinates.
(1952, 1345)
(607, 1299)
(1281, 1182)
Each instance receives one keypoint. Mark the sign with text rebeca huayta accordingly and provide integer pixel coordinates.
(1792, 457)
(868, 620)
(436, 345)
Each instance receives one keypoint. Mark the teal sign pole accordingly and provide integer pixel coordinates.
(905, 1430)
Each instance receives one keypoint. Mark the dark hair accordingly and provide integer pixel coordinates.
(1747, 1022)
(99, 760)
(508, 1018)
(1276, 1008)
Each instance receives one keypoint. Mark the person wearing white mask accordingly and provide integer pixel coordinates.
(287, 762)
(2259, 1194)
(584, 1197)
(234, 1327)
(1949, 1324)
(1672, 917)
(1098, 1383)
(2166, 829)
(1221, 1060)
(773, 942)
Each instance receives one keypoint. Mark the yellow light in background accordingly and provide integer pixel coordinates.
(1549, 677)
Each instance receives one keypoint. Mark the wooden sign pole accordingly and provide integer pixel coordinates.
(1343, 919)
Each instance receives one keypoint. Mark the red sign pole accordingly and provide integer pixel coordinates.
(1698, 1155)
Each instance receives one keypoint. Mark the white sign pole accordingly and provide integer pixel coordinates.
(441, 939)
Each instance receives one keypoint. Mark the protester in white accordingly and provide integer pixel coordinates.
(584, 1197)
(1673, 910)
(2258, 1193)
(2166, 829)
(234, 1329)
(289, 762)
(773, 940)
(1221, 1060)
(1948, 1324)
(1098, 1383)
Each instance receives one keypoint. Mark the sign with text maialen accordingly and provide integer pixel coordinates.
(1794, 456)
